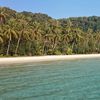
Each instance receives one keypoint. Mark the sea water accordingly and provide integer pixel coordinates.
(59, 80)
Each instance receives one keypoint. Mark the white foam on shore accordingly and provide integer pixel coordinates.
(22, 60)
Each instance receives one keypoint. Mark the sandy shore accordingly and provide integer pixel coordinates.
(21, 60)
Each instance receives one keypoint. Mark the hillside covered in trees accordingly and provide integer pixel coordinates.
(28, 34)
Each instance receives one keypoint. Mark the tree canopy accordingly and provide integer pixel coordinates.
(28, 34)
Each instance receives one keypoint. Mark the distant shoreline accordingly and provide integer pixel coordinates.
(32, 59)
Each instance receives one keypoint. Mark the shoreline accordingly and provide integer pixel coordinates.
(32, 59)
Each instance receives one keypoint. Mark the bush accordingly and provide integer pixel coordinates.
(57, 52)
(69, 51)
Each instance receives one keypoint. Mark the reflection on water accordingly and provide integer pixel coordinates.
(61, 80)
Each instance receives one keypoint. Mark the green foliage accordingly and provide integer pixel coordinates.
(28, 34)
(57, 52)
(69, 51)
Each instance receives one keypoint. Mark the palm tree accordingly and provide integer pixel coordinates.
(1, 35)
(9, 34)
(76, 38)
(22, 28)
(35, 33)
(1, 42)
(22, 34)
(1, 38)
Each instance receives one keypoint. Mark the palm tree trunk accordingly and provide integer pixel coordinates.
(18, 42)
(8, 46)
(29, 48)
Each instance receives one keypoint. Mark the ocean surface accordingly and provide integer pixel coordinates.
(59, 80)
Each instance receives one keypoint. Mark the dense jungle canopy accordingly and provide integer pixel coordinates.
(28, 34)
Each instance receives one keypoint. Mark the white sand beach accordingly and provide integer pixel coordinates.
(21, 60)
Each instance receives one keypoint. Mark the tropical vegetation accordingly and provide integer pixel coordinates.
(28, 34)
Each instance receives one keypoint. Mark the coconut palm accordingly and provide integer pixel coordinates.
(22, 27)
(1, 38)
(9, 34)
(23, 34)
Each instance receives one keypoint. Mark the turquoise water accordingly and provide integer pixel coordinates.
(60, 80)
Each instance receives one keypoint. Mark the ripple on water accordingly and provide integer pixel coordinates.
(61, 80)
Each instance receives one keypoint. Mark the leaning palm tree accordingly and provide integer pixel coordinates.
(23, 33)
(9, 34)
(1, 35)
(22, 30)
(1, 42)
(1, 38)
